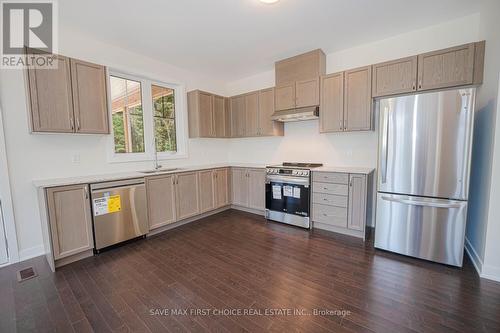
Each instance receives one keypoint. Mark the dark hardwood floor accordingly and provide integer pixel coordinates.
(235, 261)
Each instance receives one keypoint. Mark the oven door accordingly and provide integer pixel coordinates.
(290, 195)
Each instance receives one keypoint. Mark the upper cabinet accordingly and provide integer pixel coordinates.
(251, 114)
(68, 99)
(395, 77)
(358, 99)
(208, 115)
(452, 67)
(346, 102)
(297, 80)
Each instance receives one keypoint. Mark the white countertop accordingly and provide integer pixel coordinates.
(133, 174)
(344, 169)
(137, 174)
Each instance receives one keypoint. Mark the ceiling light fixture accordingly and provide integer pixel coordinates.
(269, 1)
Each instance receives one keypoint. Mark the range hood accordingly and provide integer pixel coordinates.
(307, 113)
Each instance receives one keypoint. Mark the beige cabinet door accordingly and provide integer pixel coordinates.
(357, 202)
(239, 184)
(227, 108)
(268, 127)
(395, 77)
(238, 116)
(220, 117)
(221, 187)
(256, 188)
(89, 97)
(187, 195)
(284, 97)
(331, 109)
(51, 100)
(446, 68)
(206, 179)
(160, 193)
(206, 117)
(358, 99)
(70, 220)
(252, 113)
(307, 93)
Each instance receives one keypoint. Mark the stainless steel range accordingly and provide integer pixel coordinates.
(288, 193)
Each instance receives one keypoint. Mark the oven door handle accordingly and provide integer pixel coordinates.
(287, 180)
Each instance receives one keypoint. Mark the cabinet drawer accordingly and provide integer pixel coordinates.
(336, 216)
(329, 199)
(328, 188)
(331, 177)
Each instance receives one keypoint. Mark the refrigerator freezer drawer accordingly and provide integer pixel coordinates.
(426, 228)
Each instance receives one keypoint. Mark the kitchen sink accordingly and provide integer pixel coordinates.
(160, 170)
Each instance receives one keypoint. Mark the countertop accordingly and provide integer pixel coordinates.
(43, 183)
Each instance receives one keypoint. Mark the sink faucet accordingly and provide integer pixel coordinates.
(157, 165)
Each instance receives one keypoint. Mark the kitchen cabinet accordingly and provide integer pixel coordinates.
(395, 77)
(307, 93)
(200, 114)
(238, 116)
(256, 188)
(88, 82)
(268, 127)
(187, 195)
(251, 113)
(69, 99)
(207, 190)
(358, 99)
(297, 95)
(51, 100)
(222, 187)
(331, 116)
(357, 202)
(160, 193)
(221, 117)
(239, 184)
(340, 202)
(285, 97)
(446, 68)
(306, 66)
(70, 220)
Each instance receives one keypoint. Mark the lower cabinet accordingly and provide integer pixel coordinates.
(207, 190)
(249, 188)
(339, 202)
(70, 220)
(160, 192)
(186, 195)
(222, 186)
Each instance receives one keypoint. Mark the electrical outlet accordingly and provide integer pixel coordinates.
(75, 158)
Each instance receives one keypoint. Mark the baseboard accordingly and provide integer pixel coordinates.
(249, 210)
(474, 257)
(31, 252)
(491, 273)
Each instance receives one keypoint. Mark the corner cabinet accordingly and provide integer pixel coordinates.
(70, 220)
(208, 115)
(341, 202)
(69, 99)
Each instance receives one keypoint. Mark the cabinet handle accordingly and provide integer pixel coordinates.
(72, 123)
(420, 84)
(86, 190)
(77, 124)
(350, 183)
(345, 125)
(414, 87)
(340, 125)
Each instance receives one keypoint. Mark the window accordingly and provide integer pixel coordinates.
(145, 116)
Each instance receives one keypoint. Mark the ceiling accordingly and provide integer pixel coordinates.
(232, 39)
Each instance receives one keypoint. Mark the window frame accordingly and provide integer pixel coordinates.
(148, 114)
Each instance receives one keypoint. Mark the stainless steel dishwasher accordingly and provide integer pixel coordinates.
(119, 211)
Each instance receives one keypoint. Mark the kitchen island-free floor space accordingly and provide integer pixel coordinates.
(205, 275)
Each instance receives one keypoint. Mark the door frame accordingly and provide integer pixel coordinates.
(6, 198)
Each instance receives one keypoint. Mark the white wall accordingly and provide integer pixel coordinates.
(50, 155)
(483, 230)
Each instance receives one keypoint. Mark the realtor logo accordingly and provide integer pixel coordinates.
(28, 27)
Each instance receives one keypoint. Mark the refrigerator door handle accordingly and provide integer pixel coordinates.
(385, 145)
(410, 202)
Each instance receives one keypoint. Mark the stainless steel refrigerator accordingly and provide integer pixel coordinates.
(425, 146)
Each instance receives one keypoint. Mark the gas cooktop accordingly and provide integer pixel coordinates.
(297, 165)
